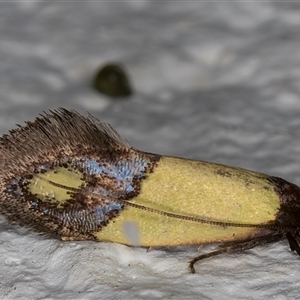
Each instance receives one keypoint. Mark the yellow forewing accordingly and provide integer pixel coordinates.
(200, 189)
(42, 185)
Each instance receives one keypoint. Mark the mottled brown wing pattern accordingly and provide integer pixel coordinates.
(64, 174)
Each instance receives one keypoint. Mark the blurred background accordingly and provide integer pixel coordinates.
(217, 81)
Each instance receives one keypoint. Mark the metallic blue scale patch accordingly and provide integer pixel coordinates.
(87, 220)
(101, 211)
(13, 187)
(123, 171)
(45, 167)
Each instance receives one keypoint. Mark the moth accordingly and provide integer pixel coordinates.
(75, 178)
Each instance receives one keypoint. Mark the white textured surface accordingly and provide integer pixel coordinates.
(215, 81)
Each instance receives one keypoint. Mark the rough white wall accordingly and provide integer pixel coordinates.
(215, 81)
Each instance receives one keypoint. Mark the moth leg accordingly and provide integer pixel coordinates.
(237, 247)
(293, 243)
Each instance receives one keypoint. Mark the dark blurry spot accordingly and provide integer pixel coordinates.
(111, 80)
